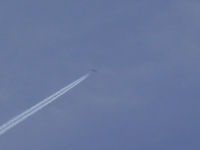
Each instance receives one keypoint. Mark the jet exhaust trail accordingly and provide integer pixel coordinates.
(21, 117)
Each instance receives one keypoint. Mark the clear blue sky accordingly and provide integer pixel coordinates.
(145, 96)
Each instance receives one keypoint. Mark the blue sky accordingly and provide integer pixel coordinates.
(145, 96)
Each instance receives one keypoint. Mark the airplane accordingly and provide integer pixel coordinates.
(93, 70)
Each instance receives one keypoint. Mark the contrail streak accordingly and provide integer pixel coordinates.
(21, 117)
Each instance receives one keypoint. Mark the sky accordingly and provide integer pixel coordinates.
(145, 95)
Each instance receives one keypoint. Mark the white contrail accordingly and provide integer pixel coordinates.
(36, 106)
(21, 117)
(40, 103)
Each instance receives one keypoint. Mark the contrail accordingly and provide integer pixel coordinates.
(21, 117)
(42, 102)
